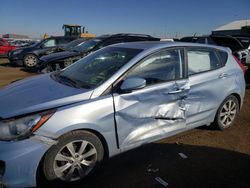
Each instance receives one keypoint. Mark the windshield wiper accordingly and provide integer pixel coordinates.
(67, 80)
(71, 82)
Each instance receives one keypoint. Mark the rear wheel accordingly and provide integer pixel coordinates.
(226, 113)
(74, 156)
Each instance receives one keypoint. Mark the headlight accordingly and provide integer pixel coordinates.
(18, 51)
(21, 128)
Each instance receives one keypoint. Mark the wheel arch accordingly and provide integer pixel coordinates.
(96, 133)
(238, 98)
(30, 53)
(39, 172)
(102, 139)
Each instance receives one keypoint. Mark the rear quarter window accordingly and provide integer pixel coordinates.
(223, 57)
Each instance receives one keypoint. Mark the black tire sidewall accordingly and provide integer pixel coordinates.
(48, 162)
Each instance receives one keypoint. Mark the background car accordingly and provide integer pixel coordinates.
(69, 46)
(22, 42)
(5, 47)
(29, 56)
(61, 60)
(245, 41)
(233, 43)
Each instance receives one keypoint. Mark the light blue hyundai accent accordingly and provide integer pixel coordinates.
(65, 123)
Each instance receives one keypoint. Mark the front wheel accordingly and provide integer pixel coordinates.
(30, 60)
(226, 113)
(74, 156)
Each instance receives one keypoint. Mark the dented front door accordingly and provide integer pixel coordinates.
(156, 111)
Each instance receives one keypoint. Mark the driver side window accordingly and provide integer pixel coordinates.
(161, 67)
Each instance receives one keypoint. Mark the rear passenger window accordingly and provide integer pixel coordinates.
(201, 60)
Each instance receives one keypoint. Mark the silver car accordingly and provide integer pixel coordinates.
(118, 98)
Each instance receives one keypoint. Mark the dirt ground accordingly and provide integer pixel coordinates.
(215, 158)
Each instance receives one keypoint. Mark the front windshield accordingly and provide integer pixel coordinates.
(87, 46)
(96, 68)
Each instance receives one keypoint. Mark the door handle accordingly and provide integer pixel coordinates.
(223, 75)
(176, 91)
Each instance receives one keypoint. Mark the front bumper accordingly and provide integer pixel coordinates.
(20, 160)
(15, 61)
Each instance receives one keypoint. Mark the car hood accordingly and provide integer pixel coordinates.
(36, 94)
(58, 56)
(28, 48)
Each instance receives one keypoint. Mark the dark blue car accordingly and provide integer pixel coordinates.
(29, 56)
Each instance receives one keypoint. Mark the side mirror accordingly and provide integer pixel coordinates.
(133, 83)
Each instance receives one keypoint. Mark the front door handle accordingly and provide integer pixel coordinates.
(175, 92)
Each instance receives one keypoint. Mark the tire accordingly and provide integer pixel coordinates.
(76, 155)
(226, 113)
(51, 67)
(48, 68)
(30, 60)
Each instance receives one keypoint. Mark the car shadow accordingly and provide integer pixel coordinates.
(30, 70)
(5, 64)
(203, 167)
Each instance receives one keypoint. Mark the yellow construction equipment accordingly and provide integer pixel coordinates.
(75, 30)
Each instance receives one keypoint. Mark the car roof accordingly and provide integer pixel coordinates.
(126, 35)
(60, 37)
(207, 36)
(163, 44)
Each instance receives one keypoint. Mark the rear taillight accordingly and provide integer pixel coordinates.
(240, 64)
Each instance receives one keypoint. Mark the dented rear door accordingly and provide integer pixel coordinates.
(158, 110)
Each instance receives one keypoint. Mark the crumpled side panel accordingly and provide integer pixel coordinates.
(148, 114)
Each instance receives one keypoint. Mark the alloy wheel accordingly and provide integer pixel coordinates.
(228, 113)
(75, 160)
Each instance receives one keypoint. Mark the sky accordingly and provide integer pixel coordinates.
(160, 18)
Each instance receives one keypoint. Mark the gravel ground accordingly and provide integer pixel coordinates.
(214, 158)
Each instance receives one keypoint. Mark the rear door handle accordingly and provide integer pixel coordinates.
(223, 75)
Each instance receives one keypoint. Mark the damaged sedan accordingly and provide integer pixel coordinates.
(113, 100)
